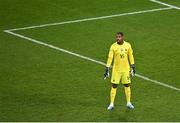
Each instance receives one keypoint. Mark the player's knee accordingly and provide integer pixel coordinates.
(126, 85)
(114, 85)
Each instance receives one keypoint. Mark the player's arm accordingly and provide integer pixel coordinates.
(131, 61)
(109, 62)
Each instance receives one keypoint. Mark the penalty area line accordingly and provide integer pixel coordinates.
(165, 4)
(86, 58)
(90, 19)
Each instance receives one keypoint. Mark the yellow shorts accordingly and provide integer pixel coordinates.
(123, 77)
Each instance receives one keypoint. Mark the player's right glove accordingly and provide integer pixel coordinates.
(106, 74)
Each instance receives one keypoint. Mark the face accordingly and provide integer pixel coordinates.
(119, 38)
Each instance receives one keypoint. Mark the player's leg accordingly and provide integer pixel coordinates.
(127, 89)
(126, 82)
(112, 96)
(115, 81)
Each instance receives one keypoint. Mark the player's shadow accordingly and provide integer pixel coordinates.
(118, 115)
(127, 113)
(121, 116)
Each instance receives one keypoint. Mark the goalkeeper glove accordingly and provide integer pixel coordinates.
(133, 71)
(106, 74)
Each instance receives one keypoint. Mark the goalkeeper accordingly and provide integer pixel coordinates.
(121, 54)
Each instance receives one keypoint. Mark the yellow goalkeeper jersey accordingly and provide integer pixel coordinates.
(122, 57)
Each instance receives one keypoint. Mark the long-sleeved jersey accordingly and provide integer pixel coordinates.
(122, 57)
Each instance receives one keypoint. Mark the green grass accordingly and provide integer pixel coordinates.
(42, 84)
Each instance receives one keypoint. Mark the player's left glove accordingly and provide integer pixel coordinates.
(106, 74)
(133, 71)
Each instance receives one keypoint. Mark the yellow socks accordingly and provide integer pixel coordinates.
(113, 94)
(128, 94)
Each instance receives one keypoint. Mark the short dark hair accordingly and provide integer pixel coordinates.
(120, 33)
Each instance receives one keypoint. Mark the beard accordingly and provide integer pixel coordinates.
(119, 41)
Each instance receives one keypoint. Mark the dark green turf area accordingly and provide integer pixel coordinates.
(42, 84)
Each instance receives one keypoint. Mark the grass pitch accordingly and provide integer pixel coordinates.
(42, 84)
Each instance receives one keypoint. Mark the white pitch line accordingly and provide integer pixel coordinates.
(53, 47)
(90, 19)
(165, 4)
(86, 58)
(158, 82)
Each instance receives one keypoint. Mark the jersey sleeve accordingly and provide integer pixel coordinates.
(130, 55)
(110, 57)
